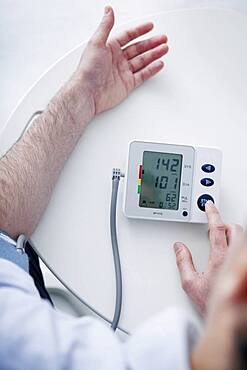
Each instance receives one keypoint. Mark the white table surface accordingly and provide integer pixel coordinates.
(200, 98)
(34, 37)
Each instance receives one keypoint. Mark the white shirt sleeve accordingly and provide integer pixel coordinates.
(164, 342)
(35, 336)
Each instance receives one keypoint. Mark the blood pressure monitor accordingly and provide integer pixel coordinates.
(171, 182)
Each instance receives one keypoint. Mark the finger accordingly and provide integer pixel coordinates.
(143, 46)
(141, 61)
(147, 72)
(217, 228)
(234, 235)
(132, 33)
(236, 271)
(185, 265)
(102, 33)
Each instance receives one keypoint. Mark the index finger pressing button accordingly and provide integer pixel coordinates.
(202, 200)
(214, 217)
(217, 229)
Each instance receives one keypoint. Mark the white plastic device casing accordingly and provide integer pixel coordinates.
(194, 157)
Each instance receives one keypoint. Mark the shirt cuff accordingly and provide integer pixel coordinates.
(8, 252)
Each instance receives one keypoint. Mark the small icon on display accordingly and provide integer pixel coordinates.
(161, 204)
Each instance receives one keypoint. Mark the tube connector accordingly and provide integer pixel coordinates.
(116, 174)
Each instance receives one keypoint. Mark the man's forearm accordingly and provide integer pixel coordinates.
(108, 71)
(29, 171)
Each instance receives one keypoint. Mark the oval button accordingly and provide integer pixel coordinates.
(209, 168)
(207, 182)
(202, 200)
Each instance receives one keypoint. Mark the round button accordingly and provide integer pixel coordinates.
(209, 168)
(202, 200)
(185, 213)
(207, 182)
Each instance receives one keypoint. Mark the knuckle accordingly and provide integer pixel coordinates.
(143, 75)
(148, 72)
(238, 227)
(187, 284)
(218, 228)
(93, 42)
(142, 60)
(233, 229)
(131, 66)
(153, 54)
(130, 34)
(139, 48)
(216, 265)
(126, 54)
(179, 257)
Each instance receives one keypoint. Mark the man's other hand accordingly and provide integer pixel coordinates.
(110, 70)
(222, 237)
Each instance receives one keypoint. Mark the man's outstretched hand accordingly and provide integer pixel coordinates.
(222, 237)
(110, 70)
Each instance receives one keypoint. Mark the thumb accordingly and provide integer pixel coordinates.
(185, 265)
(102, 33)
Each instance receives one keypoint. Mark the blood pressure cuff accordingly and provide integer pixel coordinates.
(28, 261)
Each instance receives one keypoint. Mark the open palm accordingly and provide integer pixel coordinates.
(111, 70)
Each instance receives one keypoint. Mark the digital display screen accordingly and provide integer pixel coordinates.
(160, 180)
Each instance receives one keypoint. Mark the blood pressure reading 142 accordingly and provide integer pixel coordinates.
(160, 180)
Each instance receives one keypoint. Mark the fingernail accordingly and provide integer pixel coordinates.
(166, 38)
(177, 246)
(209, 203)
(107, 9)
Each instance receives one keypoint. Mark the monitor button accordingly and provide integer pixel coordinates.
(202, 200)
(209, 168)
(207, 182)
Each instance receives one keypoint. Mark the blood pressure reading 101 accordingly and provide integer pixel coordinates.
(160, 180)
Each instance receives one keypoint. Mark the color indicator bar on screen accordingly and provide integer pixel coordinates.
(139, 180)
(140, 172)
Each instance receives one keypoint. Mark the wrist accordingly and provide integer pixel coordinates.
(200, 354)
(194, 361)
(76, 99)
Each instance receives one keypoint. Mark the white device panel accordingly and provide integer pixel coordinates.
(171, 182)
